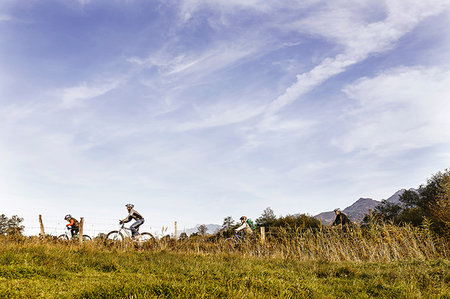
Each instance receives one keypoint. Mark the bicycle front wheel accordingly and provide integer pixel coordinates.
(63, 238)
(115, 236)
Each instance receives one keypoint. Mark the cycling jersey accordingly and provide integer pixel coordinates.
(73, 223)
(133, 214)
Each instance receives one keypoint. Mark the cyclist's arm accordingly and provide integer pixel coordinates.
(70, 223)
(241, 227)
(127, 219)
(336, 221)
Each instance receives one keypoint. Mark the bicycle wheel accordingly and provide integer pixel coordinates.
(114, 236)
(146, 237)
(86, 238)
(63, 238)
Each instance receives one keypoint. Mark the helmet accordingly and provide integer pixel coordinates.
(243, 218)
(129, 205)
(68, 216)
(337, 210)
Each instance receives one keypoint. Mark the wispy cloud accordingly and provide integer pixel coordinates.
(77, 96)
(399, 110)
(359, 38)
(5, 18)
(221, 117)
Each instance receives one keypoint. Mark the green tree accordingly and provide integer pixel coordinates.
(267, 218)
(11, 226)
(296, 221)
(202, 229)
(228, 223)
(430, 203)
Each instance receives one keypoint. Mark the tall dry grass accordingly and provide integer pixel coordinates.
(382, 243)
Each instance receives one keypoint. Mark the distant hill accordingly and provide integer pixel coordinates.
(395, 199)
(212, 229)
(355, 212)
(360, 207)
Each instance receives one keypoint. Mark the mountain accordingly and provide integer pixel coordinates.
(326, 217)
(211, 229)
(355, 212)
(395, 199)
(360, 207)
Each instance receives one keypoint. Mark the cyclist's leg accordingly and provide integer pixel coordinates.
(73, 231)
(135, 226)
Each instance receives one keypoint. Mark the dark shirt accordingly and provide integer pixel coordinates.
(341, 219)
(133, 214)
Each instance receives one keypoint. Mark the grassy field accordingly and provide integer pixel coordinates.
(41, 268)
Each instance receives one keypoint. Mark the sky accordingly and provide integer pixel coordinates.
(197, 110)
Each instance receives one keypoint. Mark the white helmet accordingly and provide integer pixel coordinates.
(129, 205)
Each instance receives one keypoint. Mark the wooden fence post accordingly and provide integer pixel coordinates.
(176, 233)
(263, 235)
(41, 224)
(80, 233)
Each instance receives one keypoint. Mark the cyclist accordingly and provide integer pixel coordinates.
(341, 219)
(133, 214)
(73, 225)
(246, 225)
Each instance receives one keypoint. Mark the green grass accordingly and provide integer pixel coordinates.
(55, 270)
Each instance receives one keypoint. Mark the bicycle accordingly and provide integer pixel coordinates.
(233, 242)
(68, 236)
(124, 233)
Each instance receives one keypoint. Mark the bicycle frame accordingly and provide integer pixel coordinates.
(124, 233)
(125, 230)
(69, 236)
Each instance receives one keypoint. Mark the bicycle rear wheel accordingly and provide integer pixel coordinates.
(86, 238)
(146, 237)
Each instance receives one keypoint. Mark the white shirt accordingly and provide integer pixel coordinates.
(245, 226)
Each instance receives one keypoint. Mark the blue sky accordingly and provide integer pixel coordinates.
(197, 110)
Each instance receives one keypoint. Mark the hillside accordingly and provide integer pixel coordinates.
(359, 208)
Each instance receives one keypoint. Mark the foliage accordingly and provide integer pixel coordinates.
(11, 226)
(202, 229)
(431, 203)
(267, 218)
(296, 221)
(228, 227)
(228, 222)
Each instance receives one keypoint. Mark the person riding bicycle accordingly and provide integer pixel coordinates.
(247, 225)
(133, 214)
(341, 219)
(73, 225)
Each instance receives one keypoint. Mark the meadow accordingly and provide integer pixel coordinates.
(388, 261)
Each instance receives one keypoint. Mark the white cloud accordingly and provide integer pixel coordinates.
(195, 65)
(221, 116)
(76, 96)
(5, 18)
(399, 110)
(359, 38)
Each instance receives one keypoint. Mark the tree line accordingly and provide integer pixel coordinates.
(428, 206)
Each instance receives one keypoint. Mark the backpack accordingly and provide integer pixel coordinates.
(251, 224)
(75, 223)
